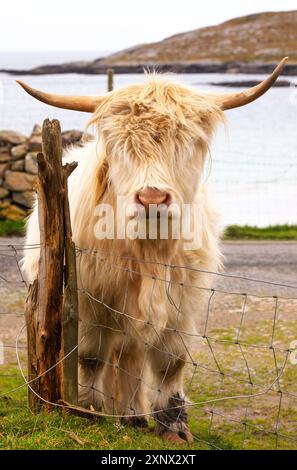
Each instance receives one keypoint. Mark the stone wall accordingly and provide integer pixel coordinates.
(18, 169)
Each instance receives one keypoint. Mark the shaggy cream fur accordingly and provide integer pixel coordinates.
(135, 310)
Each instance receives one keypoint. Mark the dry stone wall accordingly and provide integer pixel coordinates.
(18, 169)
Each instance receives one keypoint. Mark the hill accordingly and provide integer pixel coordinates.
(263, 37)
(249, 44)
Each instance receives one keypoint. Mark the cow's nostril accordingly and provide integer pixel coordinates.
(152, 196)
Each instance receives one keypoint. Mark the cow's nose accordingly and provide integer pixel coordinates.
(152, 196)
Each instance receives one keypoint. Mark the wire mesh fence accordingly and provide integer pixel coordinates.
(265, 187)
(229, 374)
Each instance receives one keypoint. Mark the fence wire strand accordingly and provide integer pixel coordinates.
(234, 364)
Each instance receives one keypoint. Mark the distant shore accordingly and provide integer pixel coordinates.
(96, 68)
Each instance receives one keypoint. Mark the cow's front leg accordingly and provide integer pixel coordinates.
(132, 393)
(95, 353)
(168, 360)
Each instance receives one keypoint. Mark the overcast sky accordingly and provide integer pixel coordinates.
(39, 25)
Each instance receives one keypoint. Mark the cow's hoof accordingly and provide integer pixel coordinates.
(177, 433)
(186, 435)
(172, 437)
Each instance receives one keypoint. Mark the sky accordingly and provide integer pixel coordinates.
(111, 25)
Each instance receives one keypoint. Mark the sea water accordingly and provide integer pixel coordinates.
(252, 169)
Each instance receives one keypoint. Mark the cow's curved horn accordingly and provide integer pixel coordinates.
(234, 100)
(87, 104)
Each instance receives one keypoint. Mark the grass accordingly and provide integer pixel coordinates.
(215, 425)
(233, 232)
(228, 424)
(273, 232)
(20, 429)
(9, 228)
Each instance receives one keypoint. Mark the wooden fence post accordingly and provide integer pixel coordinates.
(44, 308)
(70, 309)
(110, 77)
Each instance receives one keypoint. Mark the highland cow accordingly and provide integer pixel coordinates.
(138, 307)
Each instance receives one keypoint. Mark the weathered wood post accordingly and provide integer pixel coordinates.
(70, 308)
(110, 79)
(44, 309)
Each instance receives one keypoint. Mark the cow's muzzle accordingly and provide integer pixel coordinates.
(152, 196)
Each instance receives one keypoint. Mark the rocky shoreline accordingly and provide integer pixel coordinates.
(97, 68)
(18, 169)
(250, 83)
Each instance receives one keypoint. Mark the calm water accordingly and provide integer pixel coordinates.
(28, 60)
(254, 161)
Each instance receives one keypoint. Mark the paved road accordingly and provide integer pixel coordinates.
(261, 254)
(270, 261)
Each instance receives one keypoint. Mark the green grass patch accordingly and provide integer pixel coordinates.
(9, 228)
(232, 232)
(273, 232)
(20, 429)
